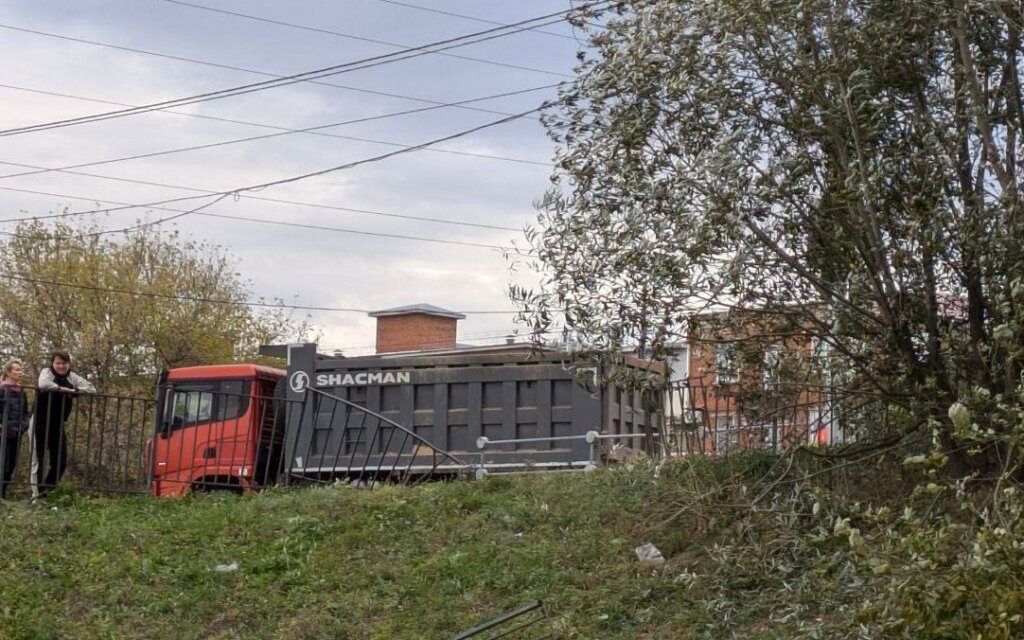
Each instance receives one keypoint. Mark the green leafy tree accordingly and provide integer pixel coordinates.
(129, 305)
(849, 168)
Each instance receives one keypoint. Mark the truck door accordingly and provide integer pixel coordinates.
(203, 430)
(184, 407)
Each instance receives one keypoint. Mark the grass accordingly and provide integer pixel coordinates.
(334, 562)
(758, 548)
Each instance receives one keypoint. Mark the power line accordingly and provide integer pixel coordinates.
(223, 194)
(478, 225)
(299, 225)
(409, 5)
(287, 80)
(232, 92)
(185, 298)
(223, 143)
(354, 231)
(309, 131)
(303, 27)
(215, 65)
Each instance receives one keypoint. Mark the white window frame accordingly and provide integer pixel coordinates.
(727, 363)
(726, 426)
(771, 366)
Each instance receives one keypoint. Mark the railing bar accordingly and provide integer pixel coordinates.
(433, 469)
(412, 457)
(349, 410)
(389, 421)
(387, 444)
(519, 627)
(116, 457)
(314, 408)
(342, 436)
(469, 633)
(267, 410)
(369, 447)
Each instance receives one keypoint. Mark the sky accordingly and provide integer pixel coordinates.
(64, 58)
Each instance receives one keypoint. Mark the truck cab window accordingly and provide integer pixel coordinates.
(196, 403)
(233, 399)
(190, 406)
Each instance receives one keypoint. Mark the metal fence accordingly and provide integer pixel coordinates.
(354, 443)
(530, 621)
(96, 441)
(217, 435)
(231, 438)
(203, 440)
(717, 419)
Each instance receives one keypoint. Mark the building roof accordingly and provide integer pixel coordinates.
(425, 309)
(462, 349)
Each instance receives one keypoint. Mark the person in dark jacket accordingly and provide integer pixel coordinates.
(55, 395)
(14, 417)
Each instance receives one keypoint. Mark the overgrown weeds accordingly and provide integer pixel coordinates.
(757, 546)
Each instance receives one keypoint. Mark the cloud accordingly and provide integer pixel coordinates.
(302, 266)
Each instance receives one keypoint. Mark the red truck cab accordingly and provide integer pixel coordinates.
(218, 427)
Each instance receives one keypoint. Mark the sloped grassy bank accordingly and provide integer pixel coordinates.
(758, 547)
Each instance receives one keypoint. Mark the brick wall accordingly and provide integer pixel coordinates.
(415, 332)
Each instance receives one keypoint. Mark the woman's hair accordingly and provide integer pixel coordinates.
(63, 355)
(10, 365)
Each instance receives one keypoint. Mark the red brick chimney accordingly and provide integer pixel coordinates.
(416, 327)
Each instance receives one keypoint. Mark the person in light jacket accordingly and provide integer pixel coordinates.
(56, 390)
(14, 418)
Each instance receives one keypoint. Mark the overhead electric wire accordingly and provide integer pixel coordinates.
(303, 131)
(223, 194)
(285, 80)
(409, 5)
(285, 223)
(215, 65)
(171, 296)
(460, 223)
(223, 143)
(357, 232)
(224, 93)
(350, 36)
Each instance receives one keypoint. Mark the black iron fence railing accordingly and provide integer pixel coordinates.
(341, 439)
(530, 621)
(97, 441)
(191, 438)
(718, 419)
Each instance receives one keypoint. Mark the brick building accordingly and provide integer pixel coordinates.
(430, 330)
(747, 383)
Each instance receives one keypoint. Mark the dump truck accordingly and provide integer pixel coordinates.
(394, 417)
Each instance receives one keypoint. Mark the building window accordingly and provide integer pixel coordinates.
(768, 435)
(816, 431)
(727, 435)
(770, 367)
(726, 368)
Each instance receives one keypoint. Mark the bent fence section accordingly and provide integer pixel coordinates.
(195, 438)
(352, 442)
(530, 621)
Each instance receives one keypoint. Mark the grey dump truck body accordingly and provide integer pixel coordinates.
(451, 401)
